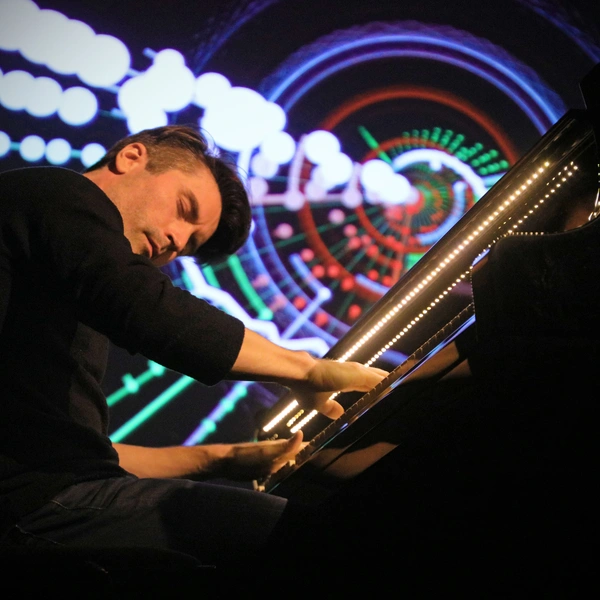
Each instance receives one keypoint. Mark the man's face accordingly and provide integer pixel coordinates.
(165, 215)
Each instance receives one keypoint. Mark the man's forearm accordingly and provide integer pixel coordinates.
(242, 461)
(314, 378)
(195, 462)
(261, 360)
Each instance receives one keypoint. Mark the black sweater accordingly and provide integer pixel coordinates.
(69, 282)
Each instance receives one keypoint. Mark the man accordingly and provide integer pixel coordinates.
(78, 258)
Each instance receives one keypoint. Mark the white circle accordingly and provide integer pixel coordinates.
(293, 200)
(106, 61)
(91, 154)
(45, 97)
(58, 151)
(320, 144)
(278, 147)
(263, 167)
(375, 174)
(67, 57)
(147, 120)
(45, 33)
(78, 106)
(171, 87)
(4, 143)
(336, 168)
(170, 58)
(210, 88)
(15, 89)
(16, 18)
(32, 148)
(132, 94)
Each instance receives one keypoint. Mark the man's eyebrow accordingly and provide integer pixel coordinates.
(194, 205)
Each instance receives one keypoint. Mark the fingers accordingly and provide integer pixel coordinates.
(330, 376)
(294, 444)
(381, 372)
(282, 450)
(332, 409)
(370, 377)
(287, 451)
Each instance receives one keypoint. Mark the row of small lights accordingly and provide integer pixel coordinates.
(57, 151)
(423, 285)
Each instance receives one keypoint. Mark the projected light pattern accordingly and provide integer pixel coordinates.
(356, 241)
(57, 151)
(359, 246)
(376, 41)
(328, 241)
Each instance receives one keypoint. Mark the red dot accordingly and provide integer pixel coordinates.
(347, 284)
(307, 255)
(321, 319)
(354, 312)
(318, 271)
(372, 251)
(299, 302)
(394, 213)
(333, 271)
(373, 275)
(387, 281)
(354, 243)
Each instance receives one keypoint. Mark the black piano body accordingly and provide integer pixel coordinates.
(485, 428)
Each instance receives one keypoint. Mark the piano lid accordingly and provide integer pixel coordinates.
(553, 188)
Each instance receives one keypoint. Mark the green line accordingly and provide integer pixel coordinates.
(116, 396)
(339, 247)
(373, 143)
(262, 310)
(357, 257)
(211, 278)
(151, 408)
(125, 391)
(135, 383)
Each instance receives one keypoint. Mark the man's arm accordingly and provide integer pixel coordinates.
(262, 360)
(237, 462)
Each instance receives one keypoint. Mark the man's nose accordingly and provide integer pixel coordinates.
(176, 239)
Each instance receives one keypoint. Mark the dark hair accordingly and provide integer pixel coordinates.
(183, 147)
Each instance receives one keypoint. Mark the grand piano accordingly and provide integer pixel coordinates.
(486, 420)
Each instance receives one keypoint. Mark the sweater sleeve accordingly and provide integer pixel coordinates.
(76, 232)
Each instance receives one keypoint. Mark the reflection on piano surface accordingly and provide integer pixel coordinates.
(537, 223)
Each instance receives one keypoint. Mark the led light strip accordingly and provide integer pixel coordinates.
(561, 177)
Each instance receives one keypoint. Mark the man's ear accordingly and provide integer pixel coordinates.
(132, 156)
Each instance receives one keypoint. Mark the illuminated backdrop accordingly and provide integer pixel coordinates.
(365, 131)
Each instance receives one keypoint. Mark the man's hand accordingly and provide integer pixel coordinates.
(261, 360)
(257, 460)
(329, 376)
(245, 461)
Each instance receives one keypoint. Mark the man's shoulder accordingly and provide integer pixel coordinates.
(58, 185)
(54, 194)
(39, 170)
(34, 174)
(46, 179)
